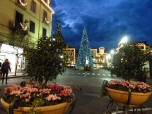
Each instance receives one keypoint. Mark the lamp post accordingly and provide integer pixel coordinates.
(124, 40)
(108, 58)
(61, 56)
(52, 39)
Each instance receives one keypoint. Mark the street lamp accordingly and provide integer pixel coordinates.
(53, 39)
(112, 52)
(108, 56)
(61, 56)
(124, 40)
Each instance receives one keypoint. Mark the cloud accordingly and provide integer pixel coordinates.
(106, 20)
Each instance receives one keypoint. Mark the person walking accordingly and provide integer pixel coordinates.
(5, 69)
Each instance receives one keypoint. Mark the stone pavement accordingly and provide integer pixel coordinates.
(18, 74)
(12, 75)
(89, 101)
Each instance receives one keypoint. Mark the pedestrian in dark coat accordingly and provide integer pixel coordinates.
(5, 69)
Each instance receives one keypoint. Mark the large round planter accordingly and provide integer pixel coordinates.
(122, 96)
(54, 109)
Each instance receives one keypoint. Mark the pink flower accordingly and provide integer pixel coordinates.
(51, 92)
(16, 93)
(133, 85)
(55, 87)
(16, 87)
(45, 91)
(52, 97)
(6, 90)
(27, 100)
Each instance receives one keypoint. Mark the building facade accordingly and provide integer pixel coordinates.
(145, 47)
(99, 57)
(70, 53)
(21, 21)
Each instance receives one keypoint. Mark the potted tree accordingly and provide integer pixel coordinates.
(128, 63)
(43, 64)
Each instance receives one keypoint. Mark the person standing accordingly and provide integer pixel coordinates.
(5, 69)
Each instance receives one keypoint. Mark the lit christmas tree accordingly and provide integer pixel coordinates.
(84, 56)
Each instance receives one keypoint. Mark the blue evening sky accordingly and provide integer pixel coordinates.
(106, 21)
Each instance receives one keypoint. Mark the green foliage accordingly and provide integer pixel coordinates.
(36, 103)
(80, 68)
(46, 62)
(129, 61)
(19, 37)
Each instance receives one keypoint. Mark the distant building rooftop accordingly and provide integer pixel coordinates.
(144, 42)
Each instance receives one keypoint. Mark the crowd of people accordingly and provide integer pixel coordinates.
(5, 68)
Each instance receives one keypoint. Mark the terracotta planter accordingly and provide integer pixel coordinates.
(122, 96)
(54, 109)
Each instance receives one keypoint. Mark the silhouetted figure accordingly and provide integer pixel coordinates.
(5, 68)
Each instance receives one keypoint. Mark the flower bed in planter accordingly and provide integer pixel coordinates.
(53, 109)
(54, 99)
(118, 91)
